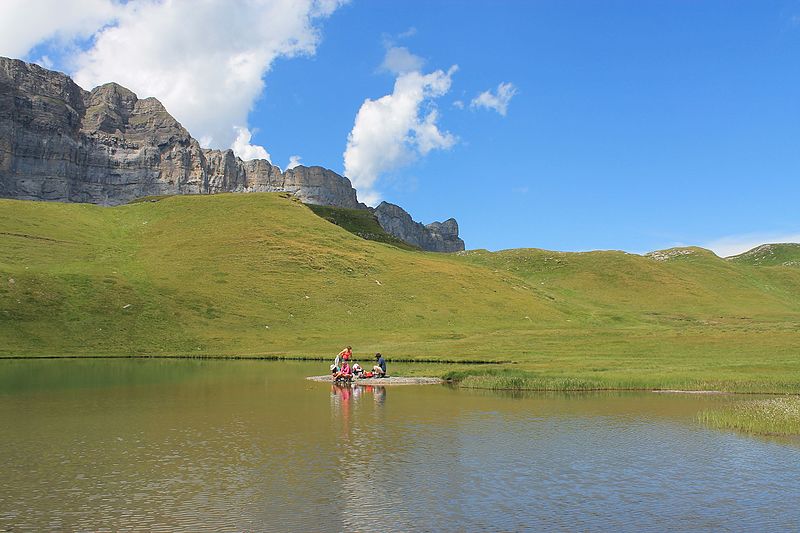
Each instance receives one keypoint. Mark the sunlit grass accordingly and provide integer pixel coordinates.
(504, 378)
(259, 275)
(773, 416)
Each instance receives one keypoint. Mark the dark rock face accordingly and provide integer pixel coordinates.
(435, 237)
(61, 143)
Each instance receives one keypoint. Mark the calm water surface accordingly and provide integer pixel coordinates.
(239, 445)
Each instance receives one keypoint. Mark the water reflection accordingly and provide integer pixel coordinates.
(345, 399)
(176, 445)
(341, 394)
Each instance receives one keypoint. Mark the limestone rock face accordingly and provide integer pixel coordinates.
(35, 105)
(59, 142)
(435, 237)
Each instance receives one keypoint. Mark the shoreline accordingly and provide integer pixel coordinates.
(391, 380)
(520, 381)
(255, 357)
(678, 391)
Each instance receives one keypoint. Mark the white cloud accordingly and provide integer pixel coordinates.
(26, 23)
(294, 161)
(399, 60)
(393, 130)
(246, 151)
(497, 101)
(737, 244)
(410, 32)
(45, 62)
(458, 104)
(204, 60)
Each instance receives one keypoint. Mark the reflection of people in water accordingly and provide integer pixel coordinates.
(380, 395)
(341, 394)
(345, 392)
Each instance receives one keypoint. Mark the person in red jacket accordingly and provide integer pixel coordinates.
(346, 353)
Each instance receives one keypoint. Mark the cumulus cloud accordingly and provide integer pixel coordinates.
(393, 130)
(242, 147)
(204, 60)
(294, 161)
(399, 60)
(24, 24)
(498, 100)
(737, 244)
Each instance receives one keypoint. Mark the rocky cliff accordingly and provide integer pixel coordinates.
(437, 236)
(59, 142)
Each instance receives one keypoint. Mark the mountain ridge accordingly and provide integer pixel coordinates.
(106, 146)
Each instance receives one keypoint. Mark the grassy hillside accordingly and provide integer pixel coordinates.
(260, 274)
(229, 274)
(783, 254)
(359, 222)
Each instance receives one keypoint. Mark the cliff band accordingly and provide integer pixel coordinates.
(59, 142)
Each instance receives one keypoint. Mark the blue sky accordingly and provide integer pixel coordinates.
(633, 125)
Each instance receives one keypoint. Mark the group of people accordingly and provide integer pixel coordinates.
(345, 368)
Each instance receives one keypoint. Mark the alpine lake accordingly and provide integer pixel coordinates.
(242, 445)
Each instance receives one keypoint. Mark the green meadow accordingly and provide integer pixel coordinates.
(262, 275)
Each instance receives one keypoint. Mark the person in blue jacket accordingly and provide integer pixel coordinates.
(380, 366)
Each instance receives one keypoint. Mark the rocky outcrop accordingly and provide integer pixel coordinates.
(59, 142)
(435, 237)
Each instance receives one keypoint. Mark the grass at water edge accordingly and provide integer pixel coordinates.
(522, 380)
(772, 416)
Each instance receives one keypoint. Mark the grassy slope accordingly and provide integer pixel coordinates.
(785, 254)
(213, 272)
(259, 274)
(359, 222)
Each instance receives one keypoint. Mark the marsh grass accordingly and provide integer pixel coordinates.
(505, 378)
(530, 383)
(772, 416)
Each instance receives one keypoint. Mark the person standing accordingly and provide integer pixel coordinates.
(346, 353)
(380, 366)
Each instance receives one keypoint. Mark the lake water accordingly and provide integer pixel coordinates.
(250, 445)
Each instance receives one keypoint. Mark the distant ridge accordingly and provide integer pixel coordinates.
(784, 254)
